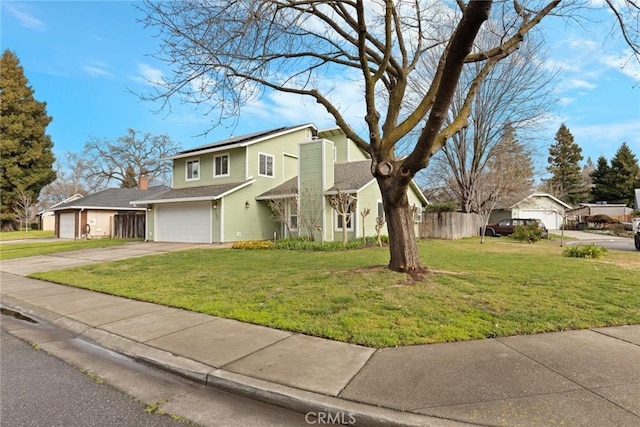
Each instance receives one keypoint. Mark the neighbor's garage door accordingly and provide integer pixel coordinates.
(183, 222)
(67, 225)
(552, 220)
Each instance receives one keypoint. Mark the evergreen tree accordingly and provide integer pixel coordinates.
(26, 161)
(601, 178)
(564, 158)
(129, 180)
(625, 176)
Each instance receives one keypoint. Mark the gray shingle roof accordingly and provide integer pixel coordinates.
(348, 177)
(112, 198)
(351, 176)
(207, 192)
(238, 139)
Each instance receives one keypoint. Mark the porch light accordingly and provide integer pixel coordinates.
(246, 204)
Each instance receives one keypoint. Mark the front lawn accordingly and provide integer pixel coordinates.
(495, 289)
(26, 249)
(31, 234)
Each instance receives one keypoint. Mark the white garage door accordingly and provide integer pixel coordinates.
(552, 220)
(67, 225)
(183, 222)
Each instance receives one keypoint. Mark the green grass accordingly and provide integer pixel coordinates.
(26, 249)
(495, 289)
(19, 235)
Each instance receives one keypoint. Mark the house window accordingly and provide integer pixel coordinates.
(293, 222)
(380, 210)
(349, 220)
(418, 215)
(193, 170)
(221, 165)
(265, 165)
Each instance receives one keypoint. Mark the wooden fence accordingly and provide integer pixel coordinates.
(129, 226)
(449, 225)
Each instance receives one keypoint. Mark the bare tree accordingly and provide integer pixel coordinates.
(379, 226)
(310, 211)
(108, 161)
(364, 213)
(283, 207)
(513, 97)
(25, 209)
(507, 178)
(344, 204)
(224, 54)
(70, 181)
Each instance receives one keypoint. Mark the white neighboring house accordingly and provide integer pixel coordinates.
(637, 200)
(543, 206)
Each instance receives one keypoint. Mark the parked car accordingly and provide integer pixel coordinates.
(508, 226)
(636, 235)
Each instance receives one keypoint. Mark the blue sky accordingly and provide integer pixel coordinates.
(88, 59)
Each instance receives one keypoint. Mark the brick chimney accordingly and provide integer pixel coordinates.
(143, 182)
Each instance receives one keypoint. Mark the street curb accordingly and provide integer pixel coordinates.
(301, 401)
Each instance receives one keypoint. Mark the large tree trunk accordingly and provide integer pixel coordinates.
(403, 246)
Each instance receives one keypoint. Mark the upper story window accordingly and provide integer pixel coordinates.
(265, 165)
(193, 170)
(221, 165)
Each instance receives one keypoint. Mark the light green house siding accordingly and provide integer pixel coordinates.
(237, 215)
(240, 222)
(316, 175)
(237, 169)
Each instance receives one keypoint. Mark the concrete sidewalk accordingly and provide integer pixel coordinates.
(577, 378)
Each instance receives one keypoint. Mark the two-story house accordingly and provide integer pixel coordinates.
(224, 191)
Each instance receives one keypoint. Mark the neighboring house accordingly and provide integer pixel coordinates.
(618, 211)
(48, 217)
(637, 199)
(93, 216)
(221, 192)
(543, 206)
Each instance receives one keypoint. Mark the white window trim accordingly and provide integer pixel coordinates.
(351, 221)
(273, 165)
(186, 169)
(228, 156)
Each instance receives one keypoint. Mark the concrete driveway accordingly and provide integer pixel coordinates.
(62, 260)
(608, 241)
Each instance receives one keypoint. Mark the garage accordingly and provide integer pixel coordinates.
(551, 219)
(67, 225)
(183, 222)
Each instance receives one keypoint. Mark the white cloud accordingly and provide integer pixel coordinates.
(149, 75)
(96, 71)
(22, 13)
(624, 63)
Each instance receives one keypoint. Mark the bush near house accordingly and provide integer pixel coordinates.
(588, 251)
(304, 244)
(527, 233)
(253, 244)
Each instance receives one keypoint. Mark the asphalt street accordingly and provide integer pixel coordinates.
(81, 384)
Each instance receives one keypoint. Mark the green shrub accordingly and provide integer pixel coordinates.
(253, 244)
(441, 207)
(301, 244)
(527, 233)
(587, 251)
